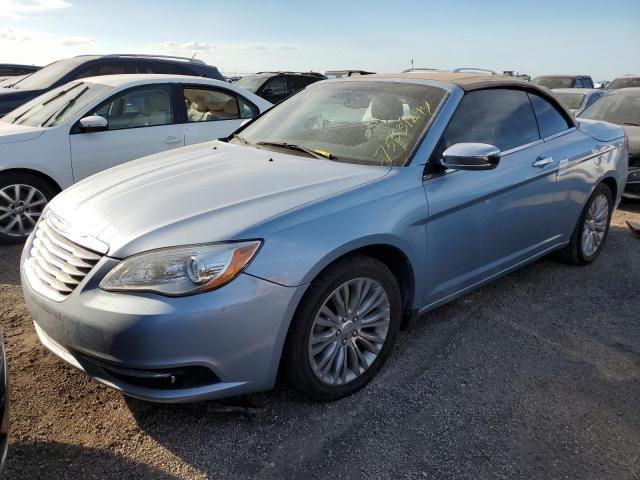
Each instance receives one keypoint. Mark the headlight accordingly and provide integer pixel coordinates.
(181, 270)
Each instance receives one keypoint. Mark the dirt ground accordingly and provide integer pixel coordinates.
(536, 375)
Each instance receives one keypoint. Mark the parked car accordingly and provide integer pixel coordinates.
(625, 81)
(276, 86)
(564, 81)
(622, 107)
(345, 73)
(577, 99)
(13, 70)
(95, 123)
(300, 246)
(603, 85)
(4, 405)
(64, 71)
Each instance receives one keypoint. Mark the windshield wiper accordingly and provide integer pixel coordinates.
(66, 107)
(631, 124)
(316, 153)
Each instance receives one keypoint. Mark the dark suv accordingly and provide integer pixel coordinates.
(564, 81)
(63, 71)
(276, 86)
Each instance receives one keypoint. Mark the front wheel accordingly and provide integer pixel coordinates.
(23, 198)
(343, 329)
(591, 231)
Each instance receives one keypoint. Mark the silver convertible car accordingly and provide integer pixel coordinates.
(301, 245)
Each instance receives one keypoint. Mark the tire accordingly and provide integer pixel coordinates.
(18, 215)
(301, 368)
(577, 251)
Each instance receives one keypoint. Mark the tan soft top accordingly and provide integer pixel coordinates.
(466, 81)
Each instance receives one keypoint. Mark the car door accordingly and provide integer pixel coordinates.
(569, 148)
(140, 122)
(213, 112)
(482, 223)
(275, 89)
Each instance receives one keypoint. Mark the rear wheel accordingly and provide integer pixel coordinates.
(23, 198)
(344, 329)
(590, 233)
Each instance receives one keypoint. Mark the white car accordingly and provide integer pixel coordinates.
(95, 123)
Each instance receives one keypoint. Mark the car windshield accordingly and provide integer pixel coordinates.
(572, 101)
(622, 108)
(554, 82)
(365, 122)
(56, 106)
(251, 82)
(624, 83)
(47, 76)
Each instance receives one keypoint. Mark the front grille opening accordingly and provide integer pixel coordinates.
(56, 265)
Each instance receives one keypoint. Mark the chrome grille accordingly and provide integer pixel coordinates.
(56, 265)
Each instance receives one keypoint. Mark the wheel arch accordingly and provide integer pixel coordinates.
(391, 255)
(613, 186)
(43, 176)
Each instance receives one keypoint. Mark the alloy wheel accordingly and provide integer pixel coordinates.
(20, 207)
(349, 331)
(595, 225)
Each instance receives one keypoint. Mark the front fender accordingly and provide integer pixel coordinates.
(299, 244)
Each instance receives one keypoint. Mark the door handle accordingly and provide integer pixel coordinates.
(541, 162)
(172, 140)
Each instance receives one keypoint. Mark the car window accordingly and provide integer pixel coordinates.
(103, 68)
(276, 86)
(554, 82)
(587, 82)
(500, 117)
(571, 100)
(297, 83)
(167, 68)
(593, 98)
(139, 107)
(579, 83)
(550, 120)
(247, 109)
(204, 105)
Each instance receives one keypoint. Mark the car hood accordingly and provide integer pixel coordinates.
(204, 193)
(10, 133)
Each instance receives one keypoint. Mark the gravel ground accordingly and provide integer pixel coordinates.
(534, 376)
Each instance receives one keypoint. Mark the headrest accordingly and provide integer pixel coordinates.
(386, 107)
(200, 103)
(231, 107)
(215, 105)
(145, 107)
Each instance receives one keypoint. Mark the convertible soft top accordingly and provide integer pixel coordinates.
(469, 82)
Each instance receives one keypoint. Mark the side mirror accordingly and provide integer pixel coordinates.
(471, 156)
(94, 123)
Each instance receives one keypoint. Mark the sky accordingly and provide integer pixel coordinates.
(599, 38)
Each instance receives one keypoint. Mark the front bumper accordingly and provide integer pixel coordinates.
(123, 340)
